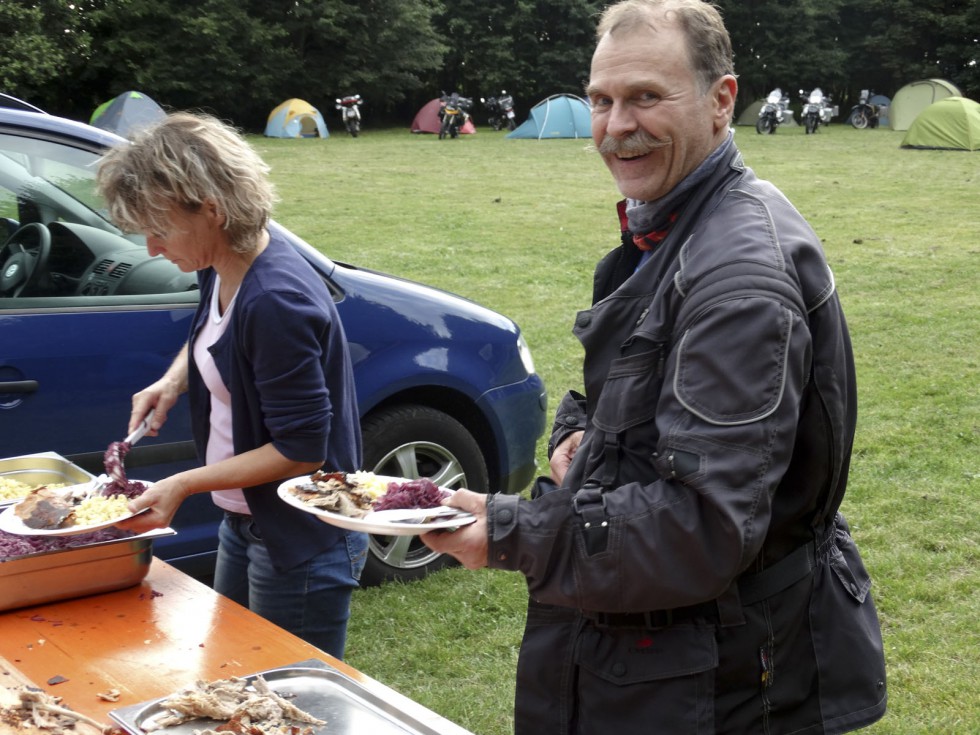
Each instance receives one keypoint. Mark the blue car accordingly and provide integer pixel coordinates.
(447, 388)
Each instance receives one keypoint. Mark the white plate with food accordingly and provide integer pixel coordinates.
(65, 511)
(362, 501)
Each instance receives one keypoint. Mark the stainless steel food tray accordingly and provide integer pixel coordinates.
(89, 569)
(315, 687)
(45, 468)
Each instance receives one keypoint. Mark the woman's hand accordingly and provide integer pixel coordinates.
(161, 396)
(162, 498)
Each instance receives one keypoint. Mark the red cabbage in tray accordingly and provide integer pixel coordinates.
(13, 546)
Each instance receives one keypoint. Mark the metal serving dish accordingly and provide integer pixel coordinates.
(314, 686)
(87, 569)
(46, 468)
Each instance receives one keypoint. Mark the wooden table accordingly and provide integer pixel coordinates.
(150, 640)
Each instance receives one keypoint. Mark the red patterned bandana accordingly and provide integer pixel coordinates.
(651, 239)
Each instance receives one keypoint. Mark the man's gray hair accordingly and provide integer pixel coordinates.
(709, 45)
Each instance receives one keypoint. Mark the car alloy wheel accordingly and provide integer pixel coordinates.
(415, 441)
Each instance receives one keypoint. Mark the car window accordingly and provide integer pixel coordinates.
(31, 167)
(47, 190)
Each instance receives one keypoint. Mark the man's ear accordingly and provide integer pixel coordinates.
(725, 91)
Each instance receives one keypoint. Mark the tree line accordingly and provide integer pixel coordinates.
(240, 58)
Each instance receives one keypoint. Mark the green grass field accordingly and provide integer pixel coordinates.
(518, 226)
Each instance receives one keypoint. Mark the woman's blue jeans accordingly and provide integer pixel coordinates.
(311, 601)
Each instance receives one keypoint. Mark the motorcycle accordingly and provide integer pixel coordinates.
(501, 111)
(454, 113)
(864, 114)
(350, 113)
(817, 110)
(773, 112)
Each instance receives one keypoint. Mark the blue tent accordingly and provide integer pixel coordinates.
(296, 118)
(558, 116)
(127, 113)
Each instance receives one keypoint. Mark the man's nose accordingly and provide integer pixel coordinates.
(622, 120)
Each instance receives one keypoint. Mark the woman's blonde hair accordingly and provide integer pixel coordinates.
(183, 160)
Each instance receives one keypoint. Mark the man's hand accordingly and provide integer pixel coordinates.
(562, 457)
(468, 544)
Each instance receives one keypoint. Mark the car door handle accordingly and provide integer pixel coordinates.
(18, 386)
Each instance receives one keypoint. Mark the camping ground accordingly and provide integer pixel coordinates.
(518, 226)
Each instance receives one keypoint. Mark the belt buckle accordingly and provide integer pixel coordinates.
(658, 618)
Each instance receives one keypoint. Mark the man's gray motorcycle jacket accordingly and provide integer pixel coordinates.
(692, 574)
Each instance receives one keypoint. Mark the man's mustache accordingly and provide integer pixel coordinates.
(634, 144)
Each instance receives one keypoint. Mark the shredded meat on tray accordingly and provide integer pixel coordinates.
(248, 708)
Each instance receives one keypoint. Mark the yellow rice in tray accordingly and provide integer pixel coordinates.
(11, 489)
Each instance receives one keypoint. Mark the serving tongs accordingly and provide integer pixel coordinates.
(140, 431)
(103, 481)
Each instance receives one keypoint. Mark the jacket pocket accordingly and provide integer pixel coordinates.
(662, 679)
(847, 638)
(632, 387)
(848, 566)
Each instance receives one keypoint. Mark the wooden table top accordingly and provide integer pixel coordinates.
(150, 640)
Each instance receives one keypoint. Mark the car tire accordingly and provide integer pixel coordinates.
(415, 441)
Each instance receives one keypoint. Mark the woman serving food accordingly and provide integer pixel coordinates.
(266, 368)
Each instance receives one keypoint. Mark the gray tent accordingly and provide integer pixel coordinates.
(127, 113)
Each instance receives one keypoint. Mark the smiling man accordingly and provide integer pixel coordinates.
(688, 569)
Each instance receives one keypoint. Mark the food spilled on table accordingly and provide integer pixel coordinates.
(356, 494)
(29, 710)
(243, 706)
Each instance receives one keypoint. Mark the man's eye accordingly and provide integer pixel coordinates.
(649, 97)
(601, 102)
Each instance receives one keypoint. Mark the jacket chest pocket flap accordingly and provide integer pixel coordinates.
(632, 387)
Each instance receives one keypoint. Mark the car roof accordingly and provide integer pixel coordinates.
(8, 100)
(57, 125)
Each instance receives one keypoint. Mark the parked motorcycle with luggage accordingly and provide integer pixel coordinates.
(817, 110)
(350, 113)
(501, 111)
(864, 114)
(454, 112)
(773, 112)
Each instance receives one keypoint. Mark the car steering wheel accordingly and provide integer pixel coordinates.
(24, 259)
